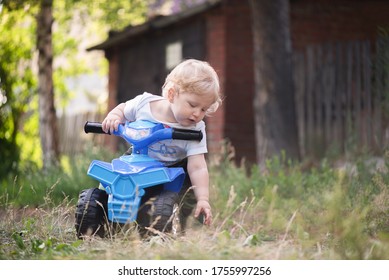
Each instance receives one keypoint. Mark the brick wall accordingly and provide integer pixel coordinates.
(216, 56)
(239, 117)
(229, 50)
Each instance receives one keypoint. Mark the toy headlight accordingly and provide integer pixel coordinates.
(137, 134)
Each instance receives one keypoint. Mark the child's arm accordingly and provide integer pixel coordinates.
(198, 173)
(112, 120)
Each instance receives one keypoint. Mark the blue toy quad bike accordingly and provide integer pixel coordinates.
(125, 180)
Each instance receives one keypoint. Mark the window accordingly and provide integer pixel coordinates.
(173, 54)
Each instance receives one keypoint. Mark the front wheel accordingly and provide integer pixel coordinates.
(91, 213)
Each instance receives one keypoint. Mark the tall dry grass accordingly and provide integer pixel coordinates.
(280, 212)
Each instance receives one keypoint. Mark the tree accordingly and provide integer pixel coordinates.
(48, 128)
(274, 104)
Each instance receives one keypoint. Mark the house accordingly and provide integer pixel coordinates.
(219, 32)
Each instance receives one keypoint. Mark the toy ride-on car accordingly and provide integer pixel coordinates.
(125, 180)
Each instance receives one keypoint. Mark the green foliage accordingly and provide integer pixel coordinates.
(342, 212)
(73, 22)
(34, 238)
(17, 82)
(28, 138)
(117, 14)
(35, 187)
(288, 178)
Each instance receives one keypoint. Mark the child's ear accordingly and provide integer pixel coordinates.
(170, 94)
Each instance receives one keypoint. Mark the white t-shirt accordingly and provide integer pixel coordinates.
(166, 151)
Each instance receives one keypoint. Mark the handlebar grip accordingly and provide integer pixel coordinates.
(186, 134)
(94, 127)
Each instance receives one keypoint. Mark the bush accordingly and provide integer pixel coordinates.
(35, 187)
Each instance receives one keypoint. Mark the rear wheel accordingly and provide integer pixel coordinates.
(159, 214)
(91, 213)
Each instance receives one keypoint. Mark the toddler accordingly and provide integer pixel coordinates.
(191, 91)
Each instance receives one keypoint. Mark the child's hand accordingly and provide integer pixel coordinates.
(113, 119)
(111, 123)
(203, 207)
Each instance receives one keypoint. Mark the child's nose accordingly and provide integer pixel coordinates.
(197, 112)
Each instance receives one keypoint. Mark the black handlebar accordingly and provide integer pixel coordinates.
(178, 134)
(186, 134)
(94, 127)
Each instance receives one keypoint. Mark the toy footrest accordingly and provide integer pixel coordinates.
(123, 211)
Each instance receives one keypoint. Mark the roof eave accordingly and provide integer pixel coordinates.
(156, 23)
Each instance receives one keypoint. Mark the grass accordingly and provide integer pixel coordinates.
(282, 212)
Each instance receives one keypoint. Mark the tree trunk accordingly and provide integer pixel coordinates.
(47, 114)
(274, 104)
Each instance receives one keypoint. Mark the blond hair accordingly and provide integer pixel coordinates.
(194, 77)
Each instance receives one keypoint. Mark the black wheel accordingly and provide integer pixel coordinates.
(91, 212)
(159, 213)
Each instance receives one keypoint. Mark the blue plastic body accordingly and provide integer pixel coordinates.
(126, 178)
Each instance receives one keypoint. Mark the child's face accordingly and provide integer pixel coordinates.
(190, 108)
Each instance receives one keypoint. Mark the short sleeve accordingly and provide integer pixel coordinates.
(131, 108)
